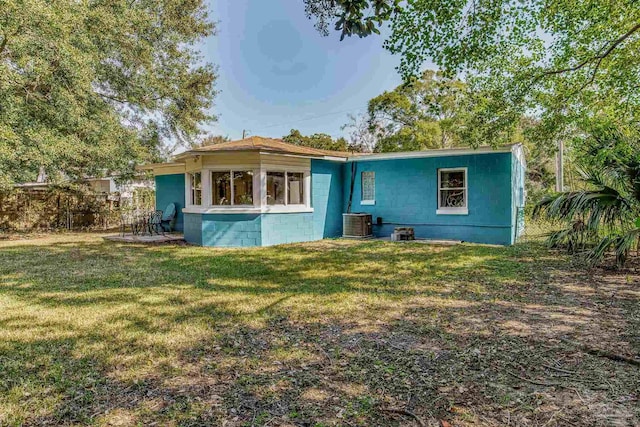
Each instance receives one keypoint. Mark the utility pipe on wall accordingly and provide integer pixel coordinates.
(353, 181)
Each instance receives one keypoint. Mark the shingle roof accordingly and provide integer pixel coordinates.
(259, 143)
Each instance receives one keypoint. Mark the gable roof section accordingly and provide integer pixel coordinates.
(265, 145)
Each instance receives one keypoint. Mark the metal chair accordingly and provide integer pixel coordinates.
(155, 223)
(125, 221)
(168, 218)
(139, 223)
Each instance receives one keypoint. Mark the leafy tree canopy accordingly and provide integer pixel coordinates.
(427, 112)
(563, 61)
(351, 17)
(317, 140)
(89, 86)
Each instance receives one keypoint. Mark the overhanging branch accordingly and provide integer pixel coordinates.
(604, 52)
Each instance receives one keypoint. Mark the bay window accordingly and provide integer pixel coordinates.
(275, 188)
(220, 188)
(243, 188)
(232, 188)
(285, 188)
(249, 191)
(295, 187)
(195, 188)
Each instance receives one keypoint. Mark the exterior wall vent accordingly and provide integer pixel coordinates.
(357, 225)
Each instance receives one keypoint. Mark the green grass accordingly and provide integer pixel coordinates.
(325, 333)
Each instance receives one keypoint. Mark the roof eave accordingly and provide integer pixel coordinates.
(152, 166)
(306, 156)
(434, 153)
(193, 153)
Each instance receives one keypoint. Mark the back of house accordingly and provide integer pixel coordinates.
(262, 191)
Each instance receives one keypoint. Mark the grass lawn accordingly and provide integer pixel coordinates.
(318, 334)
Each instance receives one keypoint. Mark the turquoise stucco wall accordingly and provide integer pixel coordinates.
(229, 230)
(193, 228)
(406, 195)
(224, 230)
(287, 228)
(276, 228)
(326, 198)
(245, 230)
(170, 189)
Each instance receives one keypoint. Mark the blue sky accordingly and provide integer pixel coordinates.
(276, 72)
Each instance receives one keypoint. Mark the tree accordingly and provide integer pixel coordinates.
(92, 86)
(540, 177)
(605, 214)
(317, 140)
(352, 17)
(361, 138)
(561, 61)
(428, 112)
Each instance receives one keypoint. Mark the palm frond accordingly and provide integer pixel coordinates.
(606, 205)
(598, 205)
(573, 238)
(604, 216)
(622, 245)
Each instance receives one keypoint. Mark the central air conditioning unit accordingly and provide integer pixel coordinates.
(357, 225)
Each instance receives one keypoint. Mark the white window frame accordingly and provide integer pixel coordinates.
(259, 191)
(306, 190)
(364, 201)
(233, 191)
(189, 189)
(444, 210)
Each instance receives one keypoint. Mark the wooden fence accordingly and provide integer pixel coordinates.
(60, 208)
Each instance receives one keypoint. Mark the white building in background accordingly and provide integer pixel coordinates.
(123, 192)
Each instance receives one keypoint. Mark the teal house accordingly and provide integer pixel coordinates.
(260, 192)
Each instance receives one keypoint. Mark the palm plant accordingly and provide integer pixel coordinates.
(605, 214)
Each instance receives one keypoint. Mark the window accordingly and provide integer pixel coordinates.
(285, 188)
(368, 188)
(227, 191)
(452, 191)
(295, 186)
(221, 188)
(196, 188)
(243, 188)
(275, 188)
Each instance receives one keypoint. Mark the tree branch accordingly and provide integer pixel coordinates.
(4, 43)
(598, 58)
(593, 75)
(127, 101)
(113, 98)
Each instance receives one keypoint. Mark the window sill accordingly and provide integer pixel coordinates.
(367, 202)
(246, 209)
(286, 209)
(220, 209)
(452, 211)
